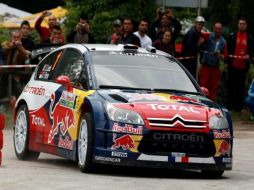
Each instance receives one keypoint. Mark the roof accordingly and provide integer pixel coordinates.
(9, 12)
(58, 12)
(110, 47)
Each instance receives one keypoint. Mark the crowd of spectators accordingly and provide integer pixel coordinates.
(202, 52)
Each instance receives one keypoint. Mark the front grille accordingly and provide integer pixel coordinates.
(176, 121)
(163, 143)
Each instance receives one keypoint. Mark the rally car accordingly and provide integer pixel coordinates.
(122, 105)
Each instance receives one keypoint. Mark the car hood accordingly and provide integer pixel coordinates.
(178, 108)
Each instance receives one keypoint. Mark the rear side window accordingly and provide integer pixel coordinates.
(44, 71)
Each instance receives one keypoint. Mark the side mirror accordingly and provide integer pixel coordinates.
(64, 80)
(205, 91)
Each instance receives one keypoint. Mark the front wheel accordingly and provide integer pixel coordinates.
(85, 143)
(21, 136)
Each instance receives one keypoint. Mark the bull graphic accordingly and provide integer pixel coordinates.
(62, 118)
(224, 148)
(126, 142)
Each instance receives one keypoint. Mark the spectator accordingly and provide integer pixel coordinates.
(82, 33)
(128, 36)
(164, 21)
(15, 54)
(215, 49)
(166, 43)
(191, 42)
(174, 25)
(26, 40)
(240, 44)
(116, 37)
(45, 32)
(27, 43)
(56, 36)
(141, 34)
(250, 100)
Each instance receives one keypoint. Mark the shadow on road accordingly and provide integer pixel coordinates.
(123, 171)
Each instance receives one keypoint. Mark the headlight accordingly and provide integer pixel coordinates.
(124, 116)
(218, 122)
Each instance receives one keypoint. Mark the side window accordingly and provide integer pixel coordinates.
(71, 65)
(44, 70)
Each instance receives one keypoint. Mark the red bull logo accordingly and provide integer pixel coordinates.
(125, 142)
(62, 118)
(224, 148)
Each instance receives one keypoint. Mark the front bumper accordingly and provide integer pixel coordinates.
(154, 161)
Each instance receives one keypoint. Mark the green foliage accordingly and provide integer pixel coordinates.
(4, 35)
(102, 13)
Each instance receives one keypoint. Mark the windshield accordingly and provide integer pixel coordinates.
(139, 70)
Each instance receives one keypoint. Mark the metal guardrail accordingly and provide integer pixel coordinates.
(10, 70)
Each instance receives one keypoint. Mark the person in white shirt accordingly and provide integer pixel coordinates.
(145, 40)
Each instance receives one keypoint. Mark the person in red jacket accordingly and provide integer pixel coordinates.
(45, 32)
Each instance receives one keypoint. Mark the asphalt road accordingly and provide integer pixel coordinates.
(51, 172)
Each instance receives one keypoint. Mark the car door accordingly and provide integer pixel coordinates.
(62, 110)
(40, 88)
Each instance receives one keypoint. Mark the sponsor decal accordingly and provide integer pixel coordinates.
(38, 121)
(173, 107)
(224, 134)
(119, 154)
(182, 99)
(35, 90)
(68, 100)
(44, 74)
(138, 54)
(148, 97)
(178, 154)
(178, 136)
(127, 129)
(107, 159)
(226, 160)
(224, 148)
(65, 143)
(62, 117)
(125, 142)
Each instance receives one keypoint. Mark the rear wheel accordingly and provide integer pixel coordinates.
(85, 144)
(212, 174)
(21, 136)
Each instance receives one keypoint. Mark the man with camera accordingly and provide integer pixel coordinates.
(55, 36)
(45, 32)
(82, 33)
(14, 54)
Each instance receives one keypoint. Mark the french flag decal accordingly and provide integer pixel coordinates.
(184, 159)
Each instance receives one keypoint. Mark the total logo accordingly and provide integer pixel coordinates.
(173, 107)
(38, 121)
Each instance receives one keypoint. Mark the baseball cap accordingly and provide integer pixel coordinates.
(200, 19)
(117, 22)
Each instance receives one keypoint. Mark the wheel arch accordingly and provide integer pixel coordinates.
(18, 105)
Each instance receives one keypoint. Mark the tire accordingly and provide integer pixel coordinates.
(85, 144)
(21, 136)
(212, 174)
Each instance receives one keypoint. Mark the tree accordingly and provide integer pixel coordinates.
(102, 13)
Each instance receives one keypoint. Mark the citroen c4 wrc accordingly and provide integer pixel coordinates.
(121, 105)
